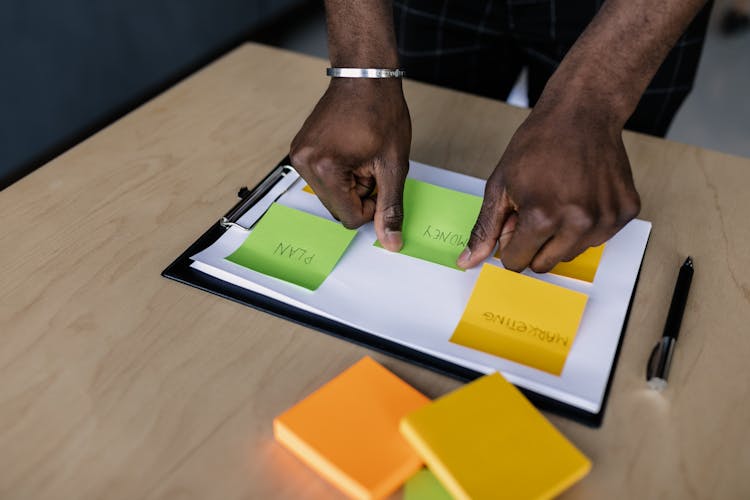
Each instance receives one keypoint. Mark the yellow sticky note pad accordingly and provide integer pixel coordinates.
(581, 268)
(520, 318)
(485, 440)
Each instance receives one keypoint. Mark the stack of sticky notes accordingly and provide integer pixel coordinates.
(368, 432)
(486, 440)
(348, 430)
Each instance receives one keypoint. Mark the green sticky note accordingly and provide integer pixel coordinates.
(294, 246)
(424, 486)
(437, 222)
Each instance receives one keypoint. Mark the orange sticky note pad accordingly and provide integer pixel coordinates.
(520, 318)
(581, 268)
(348, 432)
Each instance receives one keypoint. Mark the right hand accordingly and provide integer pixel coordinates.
(358, 137)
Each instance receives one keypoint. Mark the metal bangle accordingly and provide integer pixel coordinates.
(364, 73)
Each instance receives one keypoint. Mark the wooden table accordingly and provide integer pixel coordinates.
(117, 383)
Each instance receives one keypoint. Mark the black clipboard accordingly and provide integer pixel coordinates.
(180, 270)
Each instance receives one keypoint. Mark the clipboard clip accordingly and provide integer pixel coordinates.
(250, 198)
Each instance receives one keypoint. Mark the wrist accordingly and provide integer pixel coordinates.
(588, 82)
(361, 34)
(389, 86)
(587, 100)
(352, 57)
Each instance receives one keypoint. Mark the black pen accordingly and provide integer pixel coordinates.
(657, 370)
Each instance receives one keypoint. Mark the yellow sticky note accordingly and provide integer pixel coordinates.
(308, 189)
(520, 318)
(487, 441)
(582, 267)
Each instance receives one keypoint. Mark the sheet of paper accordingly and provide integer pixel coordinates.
(418, 304)
(293, 246)
(437, 222)
(521, 318)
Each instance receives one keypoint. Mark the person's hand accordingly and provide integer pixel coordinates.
(358, 137)
(563, 185)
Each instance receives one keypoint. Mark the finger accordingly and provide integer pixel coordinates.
(496, 207)
(336, 187)
(556, 249)
(586, 231)
(389, 208)
(506, 233)
(588, 241)
(592, 232)
(364, 186)
(352, 210)
(340, 197)
(533, 229)
(578, 230)
(575, 252)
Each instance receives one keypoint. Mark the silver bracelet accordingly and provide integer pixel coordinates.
(364, 73)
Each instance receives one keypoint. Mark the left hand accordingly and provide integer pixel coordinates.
(563, 184)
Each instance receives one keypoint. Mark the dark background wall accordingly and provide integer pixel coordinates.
(69, 66)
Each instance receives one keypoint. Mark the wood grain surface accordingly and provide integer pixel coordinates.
(116, 383)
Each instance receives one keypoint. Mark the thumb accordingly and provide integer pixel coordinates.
(492, 216)
(389, 207)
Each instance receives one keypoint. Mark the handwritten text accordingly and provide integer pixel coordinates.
(447, 237)
(297, 254)
(525, 328)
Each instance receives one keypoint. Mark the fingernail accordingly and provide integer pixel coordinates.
(463, 259)
(393, 240)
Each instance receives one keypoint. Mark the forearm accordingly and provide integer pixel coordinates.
(615, 58)
(361, 34)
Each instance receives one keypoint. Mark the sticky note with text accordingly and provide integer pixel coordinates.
(520, 318)
(294, 246)
(437, 222)
(581, 268)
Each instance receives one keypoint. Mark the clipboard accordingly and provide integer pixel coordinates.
(180, 270)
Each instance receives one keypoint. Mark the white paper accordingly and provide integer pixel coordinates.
(418, 304)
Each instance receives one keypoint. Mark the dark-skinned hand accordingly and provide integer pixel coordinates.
(563, 184)
(356, 139)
